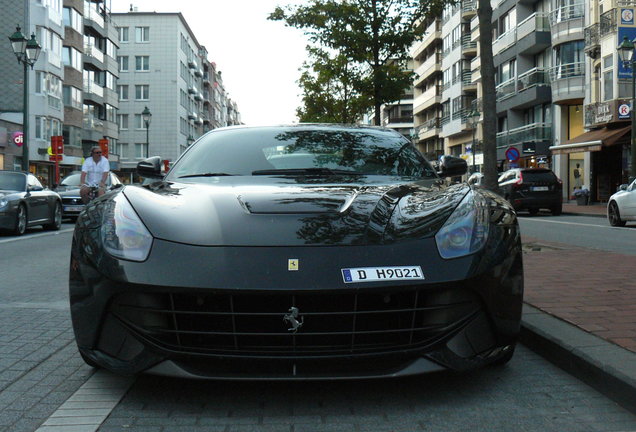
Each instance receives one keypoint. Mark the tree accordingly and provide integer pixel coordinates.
(374, 35)
(335, 90)
(489, 100)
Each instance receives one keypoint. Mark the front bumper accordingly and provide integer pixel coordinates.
(219, 312)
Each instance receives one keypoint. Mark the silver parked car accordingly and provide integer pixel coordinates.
(621, 206)
(24, 203)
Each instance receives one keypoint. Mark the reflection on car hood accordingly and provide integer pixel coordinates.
(68, 191)
(269, 211)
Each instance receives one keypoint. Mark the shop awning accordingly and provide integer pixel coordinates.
(592, 141)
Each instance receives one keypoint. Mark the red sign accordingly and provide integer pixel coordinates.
(103, 144)
(57, 145)
(55, 157)
(166, 165)
(18, 138)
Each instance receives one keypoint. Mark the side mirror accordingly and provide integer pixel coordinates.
(150, 168)
(34, 188)
(622, 187)
(452, 166)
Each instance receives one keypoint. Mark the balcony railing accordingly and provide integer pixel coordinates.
(467, 44)
(506, 89)
(91, 86)
(92, 51)
(608, 22)
(504, 41)
(566, 13)
(567, 70)
(530, 133)
(469, 6)
(430, 62)
(467, 77)
(538, 21)
(533, 77)
(92, 14)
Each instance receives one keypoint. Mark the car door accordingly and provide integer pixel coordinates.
(630, 201)
(36, 199)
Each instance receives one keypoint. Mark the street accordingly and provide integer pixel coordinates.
(41, 369)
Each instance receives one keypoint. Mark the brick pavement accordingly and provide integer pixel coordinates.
(594, 290)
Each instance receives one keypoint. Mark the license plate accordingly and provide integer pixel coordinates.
(73, 208)
(540, 188)
(375, 274)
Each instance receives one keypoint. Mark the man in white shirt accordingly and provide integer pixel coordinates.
(94, 174)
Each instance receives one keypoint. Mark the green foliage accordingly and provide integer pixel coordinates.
(371, 38)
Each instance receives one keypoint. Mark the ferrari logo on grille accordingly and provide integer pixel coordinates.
(292, 318)
(293, 264)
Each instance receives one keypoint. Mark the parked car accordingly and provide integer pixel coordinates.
(25, 203)
(621, 206)
(297, 252)
(69, 190)
(532, 189)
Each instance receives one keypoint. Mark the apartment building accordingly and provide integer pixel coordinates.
(71, 86)
(163, 66)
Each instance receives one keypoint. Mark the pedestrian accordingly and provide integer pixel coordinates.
(94, 174)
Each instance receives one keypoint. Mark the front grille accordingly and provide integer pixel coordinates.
(333, 323)
(72, 201)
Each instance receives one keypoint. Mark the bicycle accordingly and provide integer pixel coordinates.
(92, 192)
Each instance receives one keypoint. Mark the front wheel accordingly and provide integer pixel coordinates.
(56, 218)
(614, 215)
(20, 220)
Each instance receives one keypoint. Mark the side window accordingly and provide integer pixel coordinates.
(32, 181)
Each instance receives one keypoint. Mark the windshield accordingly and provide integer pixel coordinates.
(306, 150)
(72, 180)
(13, 181)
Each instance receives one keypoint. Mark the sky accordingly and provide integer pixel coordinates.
(259, 58)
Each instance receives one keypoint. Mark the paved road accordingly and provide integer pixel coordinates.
(40, 370)
(585, 231)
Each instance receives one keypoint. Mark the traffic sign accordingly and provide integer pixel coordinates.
(57, 144)
(55, 157)
(512, 154)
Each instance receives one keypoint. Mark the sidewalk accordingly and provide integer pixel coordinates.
(580, 311)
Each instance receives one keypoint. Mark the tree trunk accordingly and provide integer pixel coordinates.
(489, 101)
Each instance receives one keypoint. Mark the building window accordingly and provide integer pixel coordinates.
(123, 34)
(141, 150)
(142, 63)
(142, 34)
(122, 91)
(123, 150)
(72, 97)
(142, 91)
(122, 121)
(123, 63)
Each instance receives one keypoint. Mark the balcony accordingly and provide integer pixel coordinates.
(506, 89)
(607, 22)
(475, 68)
(467, 81)
(428, 129)
(535, 132)
(533, 34)
(592, 36)
(568, 82)
(431, 65)
(504, 41)
(432, 96)
(432, 33)
(193, 90)
(567, 23)
(469, 46)
(92, 51)
(92, 17)
(469, 8)
(91, 87)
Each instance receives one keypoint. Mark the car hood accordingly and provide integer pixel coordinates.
(67, 190)
(270, 211)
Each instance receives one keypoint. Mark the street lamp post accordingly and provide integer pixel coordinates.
(146, 115)
(626, 54)
(27, 52)
(473, 117)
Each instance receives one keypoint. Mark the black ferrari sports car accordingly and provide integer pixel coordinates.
(297, 252)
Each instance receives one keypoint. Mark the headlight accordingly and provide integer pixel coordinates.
(3, 203)
(466, 230)
(123, 234)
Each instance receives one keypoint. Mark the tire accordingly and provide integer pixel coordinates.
(505, 358)
(88, 361)
(557, 210)
(614, 215)
(56, 220)
(21, 221)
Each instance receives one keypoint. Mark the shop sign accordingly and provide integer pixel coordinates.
(603, 113)
(529, 148)
(17, 138)
(624, 111)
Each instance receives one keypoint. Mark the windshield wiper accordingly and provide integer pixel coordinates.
(305, 171)
(209, 174)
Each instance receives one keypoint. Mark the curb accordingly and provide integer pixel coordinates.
(572, 213)
(608, 368)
